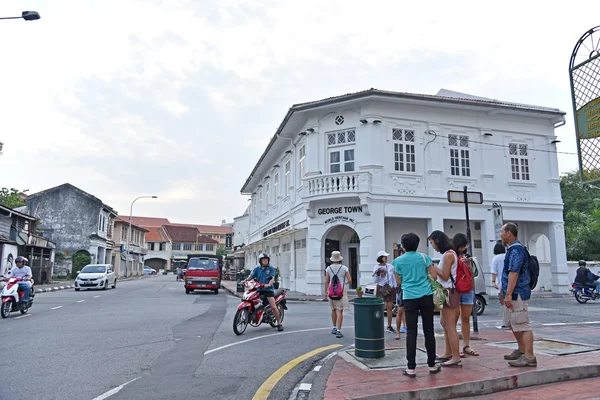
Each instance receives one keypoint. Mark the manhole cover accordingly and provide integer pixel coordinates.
(394, 358)
(551, 347)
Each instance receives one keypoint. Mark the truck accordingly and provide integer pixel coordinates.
(203, 273)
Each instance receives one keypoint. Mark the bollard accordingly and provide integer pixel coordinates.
(369, 339)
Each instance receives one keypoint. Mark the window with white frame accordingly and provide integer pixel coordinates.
(341, 151)
(199, 247)
(404, 150)
(341, 137)
(519, 161)
(210, 247)
(275, 249)
(176, 246)
(275, 187)
(460, 159)
(301, 157)
(288, 168)
(285, 247)
(267, 195)
(300, 244)
(187, 246)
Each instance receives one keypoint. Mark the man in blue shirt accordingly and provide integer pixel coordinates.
(514, 297)
(264, 273)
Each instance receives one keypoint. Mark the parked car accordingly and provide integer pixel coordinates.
(149, 271)
(481, 297)
(96, 276)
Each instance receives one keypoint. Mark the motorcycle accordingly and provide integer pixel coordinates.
(583, 293)
(255, 310)
(11, 298)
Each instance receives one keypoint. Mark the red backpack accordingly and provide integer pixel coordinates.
(464, 277)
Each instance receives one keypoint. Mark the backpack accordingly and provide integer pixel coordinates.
(336, 289)
(534, 269)
(464, 277)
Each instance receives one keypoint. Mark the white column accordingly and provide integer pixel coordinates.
(435, 223)
(558, 255)
(372, 240)
(315, 265)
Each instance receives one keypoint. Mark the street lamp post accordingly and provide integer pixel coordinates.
(129, 233)
(26, 15)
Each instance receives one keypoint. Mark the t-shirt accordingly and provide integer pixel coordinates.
(412, 268)
(339, 270)
(24, 272)
(264, 276)
(498, 266)
(388, 277)
(516, 261)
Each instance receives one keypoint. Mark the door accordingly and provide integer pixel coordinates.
(330, 246)
(353, 265)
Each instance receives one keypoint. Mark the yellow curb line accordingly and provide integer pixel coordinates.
(264, 390)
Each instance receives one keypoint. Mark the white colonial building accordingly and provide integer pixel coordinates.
(355, 172)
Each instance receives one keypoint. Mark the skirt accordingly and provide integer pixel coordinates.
(341, 304)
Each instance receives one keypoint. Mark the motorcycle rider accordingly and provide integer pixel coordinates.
(264, 273)
(585, 277)
(24, 272)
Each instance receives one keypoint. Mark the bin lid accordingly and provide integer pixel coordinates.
(364, 301)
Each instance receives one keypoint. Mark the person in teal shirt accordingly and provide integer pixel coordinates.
(412, 268)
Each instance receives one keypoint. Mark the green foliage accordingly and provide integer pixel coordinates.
(11, 198)
(221, 251)
(582, 218)
(80, 260)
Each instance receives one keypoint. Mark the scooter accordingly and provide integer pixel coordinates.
(583, 293)
(255, 310)
(11, 298)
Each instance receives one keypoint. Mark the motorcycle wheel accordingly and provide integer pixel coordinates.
(240, 321)
(273, 322)
(24, 309)
(579, 297)
(6, 309)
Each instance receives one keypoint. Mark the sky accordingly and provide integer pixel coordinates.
(179, 98)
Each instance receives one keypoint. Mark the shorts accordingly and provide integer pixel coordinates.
(399, 301)
(267, 294)
(390, 297)
(467, 298)
(517, 317)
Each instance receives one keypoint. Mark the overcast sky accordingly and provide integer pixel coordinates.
(179, 98)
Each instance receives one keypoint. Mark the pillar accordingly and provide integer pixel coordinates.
(558, 256)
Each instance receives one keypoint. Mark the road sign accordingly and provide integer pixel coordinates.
(458, 196)
(498, 219)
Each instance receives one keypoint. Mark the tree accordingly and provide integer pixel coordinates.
(221, 251)
(80, 260)
(11, 198)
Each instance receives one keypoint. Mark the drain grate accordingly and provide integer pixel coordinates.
(551, 347)
(394, 358)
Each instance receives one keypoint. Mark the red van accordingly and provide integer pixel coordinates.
(203, 273)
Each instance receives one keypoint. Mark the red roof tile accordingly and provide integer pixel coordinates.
(125, 220)
(149, 221)
(156, 235)
(187, 234)
(209, 228)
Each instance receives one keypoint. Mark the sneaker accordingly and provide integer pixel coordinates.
(339, 334)
(280, 328)
(403, 330)
(389, 329)
(524, 362)
(515, 355)
(334, 331)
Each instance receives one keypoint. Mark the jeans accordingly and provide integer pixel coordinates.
(412, 308)
(26, 290)
(597, 284)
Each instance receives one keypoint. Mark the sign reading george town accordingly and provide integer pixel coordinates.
(340, 210)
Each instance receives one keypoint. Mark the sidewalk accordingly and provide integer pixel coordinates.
(382, 379)
(231, 286)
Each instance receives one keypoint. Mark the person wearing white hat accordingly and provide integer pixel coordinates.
(385, 279)
(338, 274)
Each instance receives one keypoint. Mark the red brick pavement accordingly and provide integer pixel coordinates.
(584, 389)
(346, 381)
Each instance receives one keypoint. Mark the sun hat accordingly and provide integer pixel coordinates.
(336, 256)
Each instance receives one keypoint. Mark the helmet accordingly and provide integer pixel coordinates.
(263, 255)
(582, 263)
(21, 259)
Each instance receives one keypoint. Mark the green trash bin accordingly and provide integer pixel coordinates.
(369, 339)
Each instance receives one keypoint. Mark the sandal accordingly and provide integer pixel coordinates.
(470, 352)
(412, 375)
(443, 359)
(457, 364)
(437, 369)
(397, 338)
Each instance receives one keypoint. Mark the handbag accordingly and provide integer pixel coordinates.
(439, 296)
(452, 298)
(385, 290)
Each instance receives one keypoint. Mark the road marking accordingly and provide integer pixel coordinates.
(317, 368)
(115, 390)
(305, 387)
(24, 316)
(264, 390)
(56, 308)
(81, 301)
(262, 337)
(96, 297)
(572, 323)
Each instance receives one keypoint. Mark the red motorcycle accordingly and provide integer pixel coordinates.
(255, 310)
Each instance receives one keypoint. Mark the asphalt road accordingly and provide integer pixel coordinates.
(147, 339)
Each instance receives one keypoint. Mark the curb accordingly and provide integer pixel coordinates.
(494, 385)
(55, 288)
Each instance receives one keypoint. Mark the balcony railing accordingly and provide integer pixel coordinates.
(347, 182)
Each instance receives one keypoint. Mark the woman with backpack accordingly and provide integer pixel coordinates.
(460, 244)
(336, 279)
(446, 276)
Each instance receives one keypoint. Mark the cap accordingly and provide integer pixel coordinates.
(382, 253)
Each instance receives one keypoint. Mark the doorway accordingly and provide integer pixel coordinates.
(345, 240)
(353, 265)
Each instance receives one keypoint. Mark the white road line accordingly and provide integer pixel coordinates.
(115, 390)
(263, 337)
(96, 297)
(317, 368)
(56, 308)
(305, 387)
(81, 301)
(572, 323)
(24, 316)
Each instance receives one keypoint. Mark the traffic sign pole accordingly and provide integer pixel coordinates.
(470, 250)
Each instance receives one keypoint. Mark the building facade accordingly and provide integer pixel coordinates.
(186, 240)
(355, 172)
(129, 263)
(76, 221)
(159, 248)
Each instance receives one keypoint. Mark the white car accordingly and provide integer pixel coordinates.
(96, 276)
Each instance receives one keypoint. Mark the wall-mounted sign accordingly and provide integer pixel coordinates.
(277, 228)
(339, 218)
(228, 239)
(340, 210)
